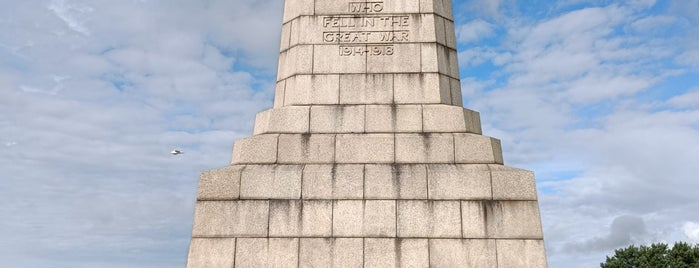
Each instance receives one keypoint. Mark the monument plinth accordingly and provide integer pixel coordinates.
(368, 158)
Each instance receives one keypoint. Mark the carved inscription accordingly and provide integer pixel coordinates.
(366, 7)
(367, 32)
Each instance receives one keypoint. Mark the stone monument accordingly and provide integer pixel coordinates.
(368, 158)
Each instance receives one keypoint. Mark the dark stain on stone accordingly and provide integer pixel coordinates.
(397, 245)
(426, 141)
(305, 142)
(394, 116)
(490, 208)
(300, 217)
(395, 179)
(333, 173)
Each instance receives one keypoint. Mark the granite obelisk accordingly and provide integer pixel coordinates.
(368, 158)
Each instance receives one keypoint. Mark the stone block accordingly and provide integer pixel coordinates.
(395, 182)
(440, 31)
(421, 88)
(211, 252)
(364, 218)
(450, 33)
(467, 253)
(473, 219)
(364, 148)
(295, 60)
(307, 30)
(259, 149)
(337, 119)
(366, 88)
(220, 184)
(279, 89)
(331, 252)
(448, 118)
(312, 89)
(453, 60)
(513, 219)
(430, 58)
(521, 253)
(297, 218)
(348, 182)
(380, 252)
(243, 218)
(285, 37)
(512, 183)
(393, 118)
(328, 59)
(457, 98)
(333, 7)
(333, 181)
(295, 8)
(403, 60)
(477, 149)
(292, 119)
(318, 181)
(463, 182)
(306, 148)
(403, 6)
(271, 182)
(433, 219)
(414, 253)
(424, 148)
(267, 252)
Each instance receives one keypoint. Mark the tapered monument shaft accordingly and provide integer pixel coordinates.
(368, 158)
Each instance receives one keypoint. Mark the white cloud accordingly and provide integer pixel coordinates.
(474, 31)
(691, 230)
(71, 14)
(687, 100)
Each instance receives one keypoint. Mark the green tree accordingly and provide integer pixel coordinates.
(681, 255)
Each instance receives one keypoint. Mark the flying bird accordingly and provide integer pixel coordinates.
(176, 152)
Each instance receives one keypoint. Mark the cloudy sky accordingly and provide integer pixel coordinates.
(600, 98)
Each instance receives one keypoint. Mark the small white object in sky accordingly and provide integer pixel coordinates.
(176, 152)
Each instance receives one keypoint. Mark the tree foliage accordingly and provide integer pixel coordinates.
(681, 255)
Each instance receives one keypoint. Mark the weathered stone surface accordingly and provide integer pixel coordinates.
(473, 219)
(337, 119)
(295, 8)
(402, 61)
(295, 60)
(512, 183)
(447, 118)
(421, 88)
(271, 182)
(267, 252)
(279, 89)
(465, 182)
(283, 120)
(393, 118)
(256, 150)
(366, 89)
(477, 149)
(470, 253)
(211, 252)
(306, 148)
(331, 252)
(521, 253)
(513, 219)
(440, 219)
(220, 184)
(328, 62)
(312, 89)
(424, 148)
(364, 218)
(333, 181)
(297, 218)
(395, 182)
(364, 148)
(242, 218)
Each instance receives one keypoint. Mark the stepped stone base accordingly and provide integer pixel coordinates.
(367, 215)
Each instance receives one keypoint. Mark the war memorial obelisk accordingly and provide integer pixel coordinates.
(368, 158)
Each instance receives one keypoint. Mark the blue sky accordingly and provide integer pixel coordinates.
(599, 98)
